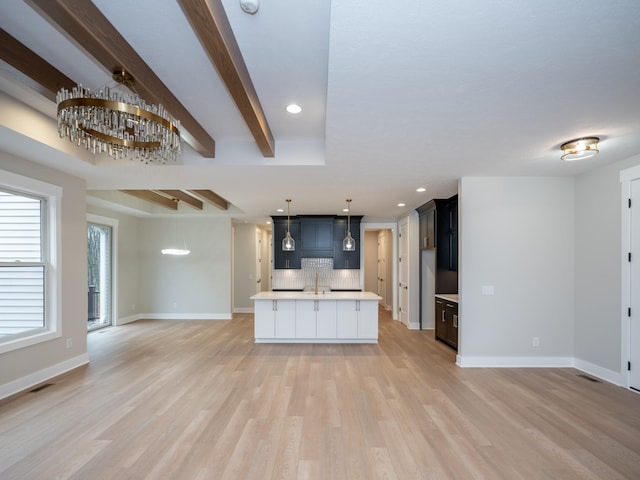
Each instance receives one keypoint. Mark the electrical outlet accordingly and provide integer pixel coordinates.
(69, 342)
(133, 307)
(536, 341)
(487, 290)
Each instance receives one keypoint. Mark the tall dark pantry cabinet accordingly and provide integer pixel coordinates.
(438, 227)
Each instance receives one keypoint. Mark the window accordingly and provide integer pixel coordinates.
(29, 212)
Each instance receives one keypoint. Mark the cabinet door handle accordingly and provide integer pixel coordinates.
(275, 305)
(455, 321)
(443, 319)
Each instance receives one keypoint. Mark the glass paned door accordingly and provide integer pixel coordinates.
(99, 238)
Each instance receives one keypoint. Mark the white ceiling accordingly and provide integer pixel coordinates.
(396, 95)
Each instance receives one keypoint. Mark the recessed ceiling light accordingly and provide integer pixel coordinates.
(421, 189)
(401, 205)
(294, 108)
(345, 209)
(280, 210)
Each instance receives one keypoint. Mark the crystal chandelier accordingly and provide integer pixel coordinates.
(121, 125)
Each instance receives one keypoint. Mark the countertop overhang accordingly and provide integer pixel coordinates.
(452, 297)
(316, 296)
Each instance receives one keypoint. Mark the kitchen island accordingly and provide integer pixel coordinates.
(309, 317)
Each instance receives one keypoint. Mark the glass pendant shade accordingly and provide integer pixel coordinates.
(288, 243)
(348, 244)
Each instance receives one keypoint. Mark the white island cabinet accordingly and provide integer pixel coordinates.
(303, 317)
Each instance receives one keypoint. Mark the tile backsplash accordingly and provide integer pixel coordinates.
(297, 279)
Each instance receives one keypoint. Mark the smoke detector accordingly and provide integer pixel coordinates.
(249, 6)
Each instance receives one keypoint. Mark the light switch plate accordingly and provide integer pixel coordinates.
(487, 290)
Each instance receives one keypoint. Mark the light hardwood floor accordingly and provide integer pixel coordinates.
(199, 400)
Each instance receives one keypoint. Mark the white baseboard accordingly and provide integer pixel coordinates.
(514, 362)
(243, 310)
(129, 319)
(414, 326)
(40, 376)
(602, 373)
(187, 316)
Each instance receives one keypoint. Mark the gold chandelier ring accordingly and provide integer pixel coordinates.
(120, 141)
(118, 107)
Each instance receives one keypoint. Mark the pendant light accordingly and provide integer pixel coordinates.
(348, 244)
(288, 243)
(175, 248)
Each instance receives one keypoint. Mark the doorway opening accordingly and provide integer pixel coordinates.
(99, 276)
(379, 257)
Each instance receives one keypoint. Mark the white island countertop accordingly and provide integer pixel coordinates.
(316, 296)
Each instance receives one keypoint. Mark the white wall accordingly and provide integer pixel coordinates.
(194, 286)
(128, 264)
(517, 235)
(244, 266)
(598, 268)
(23, 368)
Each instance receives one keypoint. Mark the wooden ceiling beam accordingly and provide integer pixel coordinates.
(184, 197)
(211, 25)
(93, 32)
(20, 57)
(212, 198)
(153, 197)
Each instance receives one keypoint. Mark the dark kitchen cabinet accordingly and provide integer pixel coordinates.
(282, 259)
(438, 226)
(453, 233)
(441, 322)
(447, 322)
(427, 225)
(342, 259)
(316, 237)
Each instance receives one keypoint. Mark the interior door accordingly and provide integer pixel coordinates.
(382, 267)
(403, 271)
(634, 319)
(258, 261)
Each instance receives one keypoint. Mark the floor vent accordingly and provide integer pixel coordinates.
(591, 379)
(41, 387)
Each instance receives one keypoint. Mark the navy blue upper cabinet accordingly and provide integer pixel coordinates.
(342, 259)
(282, 259)
(316, 234)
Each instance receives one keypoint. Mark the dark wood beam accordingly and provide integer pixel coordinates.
(209, 21)
(185, 197)
(212, 198)
(20, 57)
(91, 30)
(153, 197)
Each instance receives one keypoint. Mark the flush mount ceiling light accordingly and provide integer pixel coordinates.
(118, 123)
(348, 244)
(249, 6)
(293, 108)
(288, 243)
(580, 148)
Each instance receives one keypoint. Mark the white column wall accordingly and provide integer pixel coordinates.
(517, 236)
